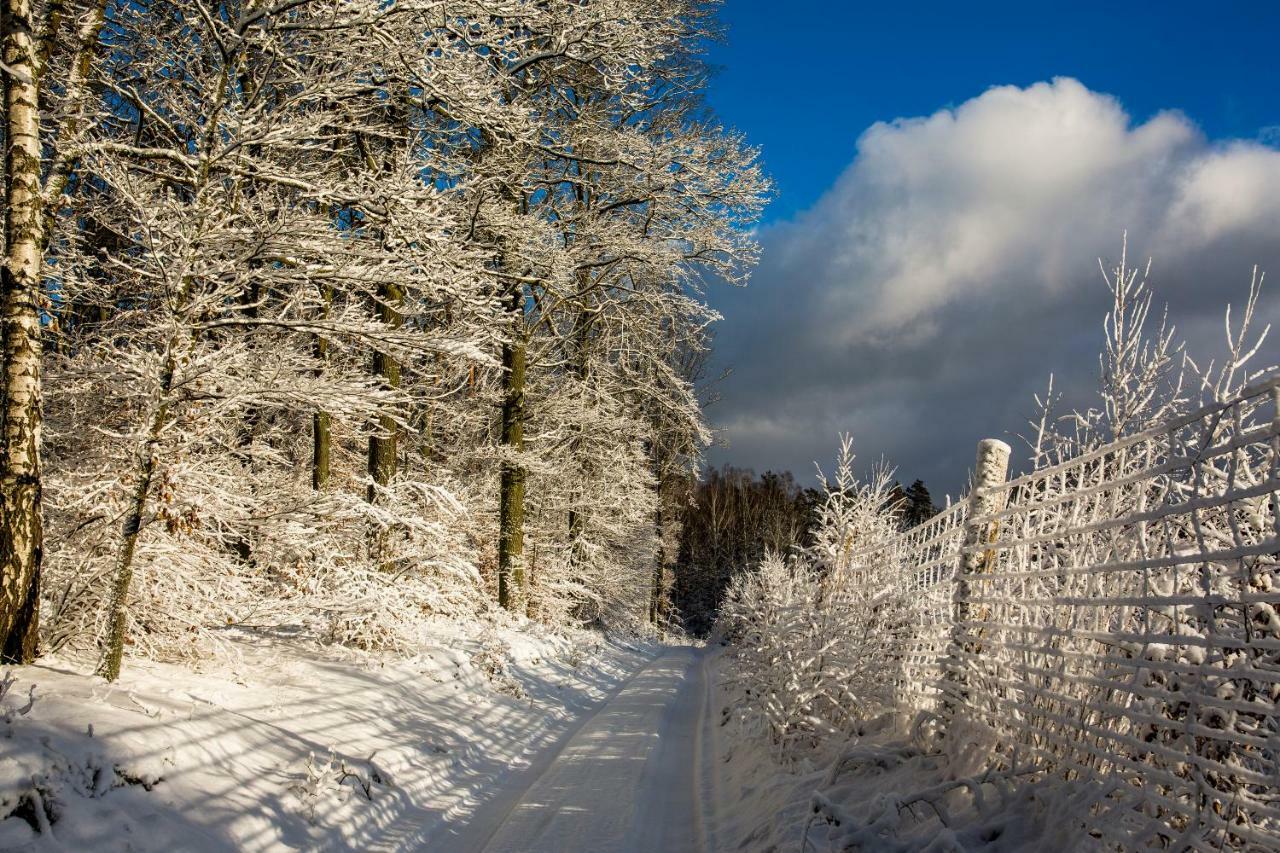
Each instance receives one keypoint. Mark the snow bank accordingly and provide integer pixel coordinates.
(885, 790)
(293, 745)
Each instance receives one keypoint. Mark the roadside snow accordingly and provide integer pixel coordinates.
(295, 746)
(885, 791)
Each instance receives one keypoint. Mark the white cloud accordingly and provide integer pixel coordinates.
(954, 263)
(1235, 189)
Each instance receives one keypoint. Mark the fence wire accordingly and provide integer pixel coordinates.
(1121, 627)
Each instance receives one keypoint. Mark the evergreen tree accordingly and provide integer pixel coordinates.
(919, 506)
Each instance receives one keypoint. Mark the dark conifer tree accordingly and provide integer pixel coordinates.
(919, 506)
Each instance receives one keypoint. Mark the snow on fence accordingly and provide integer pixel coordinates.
(1112, 620)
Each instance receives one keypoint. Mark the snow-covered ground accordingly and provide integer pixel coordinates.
(631, 779)
(887, 790)
(298, 747)
(507, 740)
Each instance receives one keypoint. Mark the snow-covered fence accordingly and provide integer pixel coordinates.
(917, 641)
(1113, 621)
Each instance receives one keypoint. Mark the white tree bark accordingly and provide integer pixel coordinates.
(21, 540)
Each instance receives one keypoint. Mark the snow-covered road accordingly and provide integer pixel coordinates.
(630, 779)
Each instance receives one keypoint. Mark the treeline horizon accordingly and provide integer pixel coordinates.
(734, 518)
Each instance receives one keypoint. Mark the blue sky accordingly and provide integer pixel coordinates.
(803, 78)
(949, 177)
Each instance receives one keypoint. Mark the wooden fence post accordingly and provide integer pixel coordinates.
(986, 497)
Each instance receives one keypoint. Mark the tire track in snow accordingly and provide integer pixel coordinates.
(630, 779)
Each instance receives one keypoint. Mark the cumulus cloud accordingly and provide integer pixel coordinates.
(953, 266)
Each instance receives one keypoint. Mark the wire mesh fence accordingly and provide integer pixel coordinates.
(1114, 620)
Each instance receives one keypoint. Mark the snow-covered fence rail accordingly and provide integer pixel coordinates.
(1115, 621)
(916, 639)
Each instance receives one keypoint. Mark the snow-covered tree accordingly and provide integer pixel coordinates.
(358, 312)
(605, 221)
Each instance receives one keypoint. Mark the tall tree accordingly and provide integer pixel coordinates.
(21, 530)
(609, 217)
(511, 506)
(918, 506)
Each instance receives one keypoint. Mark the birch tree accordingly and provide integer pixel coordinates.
(21, 535)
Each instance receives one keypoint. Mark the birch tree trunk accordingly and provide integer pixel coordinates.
(21, 532)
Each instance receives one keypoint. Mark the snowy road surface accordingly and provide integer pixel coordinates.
(630, 780)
